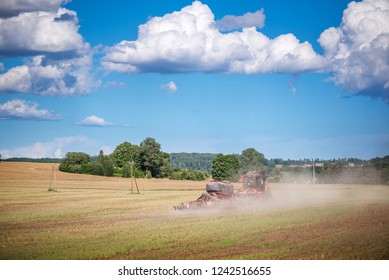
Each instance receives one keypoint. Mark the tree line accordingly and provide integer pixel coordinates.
(26, 159)
(145, 160)
(340, 171)
(149, 161)
(192, 161)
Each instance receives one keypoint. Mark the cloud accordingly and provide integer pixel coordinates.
(57, 60)
(25, 110)
(292, 86)
(9, 8)
(48, 149)
(44, 76)
(106, 149)
(358, 50)
(94, 121)
(189, 41)
(170, 86)
(356, 54)
(40, 33)
(113, 84)
(230, 23)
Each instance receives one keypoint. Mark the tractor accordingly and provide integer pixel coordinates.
(254, 185)
(220, 192)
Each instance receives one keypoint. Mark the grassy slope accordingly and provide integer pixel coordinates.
(97, 217)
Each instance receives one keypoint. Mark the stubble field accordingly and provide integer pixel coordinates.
(91, 217)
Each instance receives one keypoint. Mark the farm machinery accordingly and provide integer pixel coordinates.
(219, 193)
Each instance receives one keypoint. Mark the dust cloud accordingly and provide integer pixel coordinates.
(300, 195)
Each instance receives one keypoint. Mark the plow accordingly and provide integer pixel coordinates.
(222, 193)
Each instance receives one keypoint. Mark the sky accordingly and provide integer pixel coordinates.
(291, 79)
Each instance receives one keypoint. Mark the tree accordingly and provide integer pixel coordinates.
(192, 161)
(124, 153)
(93, 168)
(193, 175)
(149, 150)
(164, 169)
(107, 167)
(152, 160)
(251, 160)
(225, 167)
(77, 162)
(74, 161)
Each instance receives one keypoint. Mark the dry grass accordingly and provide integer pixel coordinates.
(97, 217)
(26, 173)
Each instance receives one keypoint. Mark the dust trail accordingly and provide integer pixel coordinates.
(308, 195)
(292, 196)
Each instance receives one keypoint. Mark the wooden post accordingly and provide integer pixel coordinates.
(53, 181)
(133, 178)
(313, 172)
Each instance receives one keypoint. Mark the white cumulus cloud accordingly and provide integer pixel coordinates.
(94, 121)
(356, 54)
(189, 41)
(57, 59)
(9, 8)
(40, 32)
(230, 23)
(170, 86)
(21, 109)
(53, 148)
(44, 76)
(358, 50)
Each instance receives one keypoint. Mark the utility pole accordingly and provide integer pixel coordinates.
(133, 177)
(313, 172)
(53, 181)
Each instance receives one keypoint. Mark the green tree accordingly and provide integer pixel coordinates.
(74, 161)
(251, 161)
(124, 153)
(153, 162)
(106, 163)
(93, 168)
(192, 161)
(148, 154)
(164, 169)
(193, 175)
(225, 167)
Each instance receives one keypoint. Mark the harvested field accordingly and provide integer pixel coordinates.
(92, 217)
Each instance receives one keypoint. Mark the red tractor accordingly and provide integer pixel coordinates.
(217, 192)
(254, 185)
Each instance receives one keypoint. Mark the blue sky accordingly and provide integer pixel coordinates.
(292, 79)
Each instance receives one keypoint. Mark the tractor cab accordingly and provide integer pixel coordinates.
(255, 181)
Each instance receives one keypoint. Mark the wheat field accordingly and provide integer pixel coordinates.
(92, 217)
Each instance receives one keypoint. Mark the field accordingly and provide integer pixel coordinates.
(92, 217)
